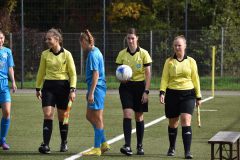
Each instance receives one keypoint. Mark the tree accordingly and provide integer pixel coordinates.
(7, 21)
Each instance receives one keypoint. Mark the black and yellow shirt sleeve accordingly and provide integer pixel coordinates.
(56, 67)
(137, 61)
(180, 75)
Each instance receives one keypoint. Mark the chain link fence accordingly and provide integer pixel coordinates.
(158, 43)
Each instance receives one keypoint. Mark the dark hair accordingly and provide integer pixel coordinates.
(132, 31)
(1, 32)
(56, 33)
(86, 35)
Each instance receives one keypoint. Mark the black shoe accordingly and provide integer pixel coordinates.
(64, 147)
(126, 150)
(44, 149)
(140, 150)
(171, 151)
(188, 155)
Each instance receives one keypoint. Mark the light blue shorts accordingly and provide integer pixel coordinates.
(99, 98)
(4, 91)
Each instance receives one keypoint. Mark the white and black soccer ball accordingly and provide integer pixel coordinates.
(124, 73)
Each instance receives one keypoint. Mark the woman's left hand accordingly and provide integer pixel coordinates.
(90, 98)
(144, 98)
(14, 87)
(72, 96)
(198, 103)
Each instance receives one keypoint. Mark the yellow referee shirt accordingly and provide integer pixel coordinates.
(180, 75)
(56, 67)
(137, 61)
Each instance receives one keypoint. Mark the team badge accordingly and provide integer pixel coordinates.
(138, 65)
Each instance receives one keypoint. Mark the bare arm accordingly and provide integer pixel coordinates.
(148, 77)
(147, 85)
(93, 86)
(11, 75)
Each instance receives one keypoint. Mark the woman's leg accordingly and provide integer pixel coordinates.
(186, 133)
(5, 124)
(63, 130)
(48, 112)
(140, 132)
(172, 135)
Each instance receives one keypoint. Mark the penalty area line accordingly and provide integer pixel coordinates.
(121, 136)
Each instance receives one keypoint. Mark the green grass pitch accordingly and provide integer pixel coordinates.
(25, 133)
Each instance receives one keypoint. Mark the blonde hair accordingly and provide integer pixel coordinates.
(180, 37)
(87, 36)
(56, 33)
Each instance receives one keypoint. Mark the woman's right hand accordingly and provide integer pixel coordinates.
(39, 95)
(162, 99)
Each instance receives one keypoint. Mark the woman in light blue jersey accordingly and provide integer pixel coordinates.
(6, 69)
(95, 78)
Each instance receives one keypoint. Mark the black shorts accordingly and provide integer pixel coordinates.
(179, 101)
(131, 96)
(56, 93)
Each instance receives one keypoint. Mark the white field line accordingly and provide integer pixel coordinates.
(208, 110)
(121, 136)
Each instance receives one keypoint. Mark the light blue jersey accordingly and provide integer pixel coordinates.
(6, 61)
(95, 63)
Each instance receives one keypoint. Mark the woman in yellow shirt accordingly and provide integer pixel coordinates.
(134, 93)
(55, 86)
(180, 91)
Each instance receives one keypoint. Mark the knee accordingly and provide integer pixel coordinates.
(139, 117)
(48, 115)
(88, 118)
(173, 122)
(127, 114)
(186, 119)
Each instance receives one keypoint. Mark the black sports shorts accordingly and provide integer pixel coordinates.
(179, 101)
(131, 95)
(56, 93)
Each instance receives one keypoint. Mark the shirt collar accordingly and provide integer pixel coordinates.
(175, 57)
(61, 50)
(137, 50)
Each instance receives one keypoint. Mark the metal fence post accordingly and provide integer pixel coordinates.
(104, 29)
(81, 63)
(222, 50)
(151, 45)
(22, 30)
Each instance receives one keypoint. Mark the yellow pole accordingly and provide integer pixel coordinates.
(213, 69)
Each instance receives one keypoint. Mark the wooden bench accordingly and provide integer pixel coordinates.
(225, 138)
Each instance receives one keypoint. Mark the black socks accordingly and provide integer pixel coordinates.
(140, 132)
(187, 138)
(127, 130)
(63, 132)
(172, 135)
(47, 130)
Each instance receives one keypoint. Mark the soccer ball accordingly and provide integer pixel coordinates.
(124, 73)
